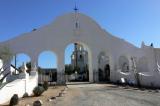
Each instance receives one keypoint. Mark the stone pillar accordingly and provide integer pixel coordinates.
(94, 68)
(60, 68)
(34, 67)
(24, 76)
(91, 72)
(34, 63)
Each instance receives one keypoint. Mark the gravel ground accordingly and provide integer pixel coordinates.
(51, 92)
(97, 95)
(108, 95)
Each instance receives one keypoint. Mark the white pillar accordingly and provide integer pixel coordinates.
(34, 62)
(60, 68)
(93, 74)
(34, 67)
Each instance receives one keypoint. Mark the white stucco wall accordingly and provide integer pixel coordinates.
(61, 32)
(19, 86)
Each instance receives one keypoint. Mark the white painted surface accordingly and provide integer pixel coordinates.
(57, 35)
(19, 86)
(1, 63)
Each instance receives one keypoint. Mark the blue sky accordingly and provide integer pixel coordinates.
(133, 20)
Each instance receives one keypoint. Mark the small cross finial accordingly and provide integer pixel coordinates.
(75, 8)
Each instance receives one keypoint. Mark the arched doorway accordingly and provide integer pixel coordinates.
(47, 67)
(77, 62)
(124, 64)
(107, 72)
(103, 67)
(18, 61)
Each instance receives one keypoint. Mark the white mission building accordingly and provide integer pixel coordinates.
(119, 58)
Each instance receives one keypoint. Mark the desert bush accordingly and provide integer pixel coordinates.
(38, 103)
(38, 91)
(14, 100)
(45, 85)
(25, 95)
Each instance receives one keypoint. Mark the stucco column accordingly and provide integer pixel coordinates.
(60, 68)
(34, 67)
(94, 68)
(34, 61)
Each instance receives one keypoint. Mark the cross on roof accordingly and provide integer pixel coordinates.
(75, 8)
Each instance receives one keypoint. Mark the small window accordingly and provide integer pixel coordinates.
(80, 48)
(80, 56)
(76, 25)
(73, 57)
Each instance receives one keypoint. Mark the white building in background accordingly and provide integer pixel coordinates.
(79, 62)
(79, 57)
(122, 59)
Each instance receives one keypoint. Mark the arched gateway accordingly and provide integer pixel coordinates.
(76, 28)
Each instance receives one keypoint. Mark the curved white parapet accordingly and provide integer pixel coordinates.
(125, 73)
(146, 74)
(19, 86)
(1, 63)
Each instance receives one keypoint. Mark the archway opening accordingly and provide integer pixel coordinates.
(124, 64)
(76, 63)
(104, 67)
(18, 61)
(47, 67)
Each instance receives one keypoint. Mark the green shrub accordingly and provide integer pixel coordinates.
(38, 91)
(45, 85)
(14, 100)
(25, 95)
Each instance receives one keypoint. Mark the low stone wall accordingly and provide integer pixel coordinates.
(146, 79)
(25, 84)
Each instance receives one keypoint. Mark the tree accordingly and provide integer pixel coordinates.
(40, 71)
(28, 65)
(68, 69)
(19, 69)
